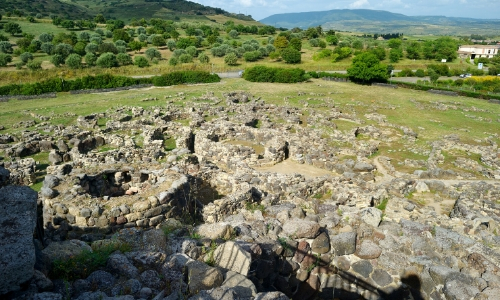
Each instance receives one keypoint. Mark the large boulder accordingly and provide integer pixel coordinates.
(18, 220)
(231, 256)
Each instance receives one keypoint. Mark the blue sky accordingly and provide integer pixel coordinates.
(259, 9)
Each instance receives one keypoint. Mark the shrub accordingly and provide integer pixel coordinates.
(173, 61)
(171, 45)
(63, 49)
(107, 47)
(57, 60)
(74, 61)
(203, 58)
(34, 65)
(289, 75)
(252, 56)
(291, 55)
(420, 73)
(46, 37)
(231, 59)
(266, 74)
(233, 34)
(191, 50)
(25, 57)
(5, 59)
(152, 53)
(5, 47)
(182, 77)
(90, 59)
(107, 60)
(124, 59)
(178, 52)
(91, 48)
(185, 58)
(79, 48)
(158, 40)
(141, 61)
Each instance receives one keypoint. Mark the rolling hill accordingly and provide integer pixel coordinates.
(119, 9)
(377, 21)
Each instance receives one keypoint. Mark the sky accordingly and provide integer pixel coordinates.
(259, 9)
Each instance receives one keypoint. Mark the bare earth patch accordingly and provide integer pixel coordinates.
(290, 167)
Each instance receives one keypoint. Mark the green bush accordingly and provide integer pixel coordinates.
(107, 60)
(182, 77)
(291, 55)
(231, 59)
(34, 65)
(25, 57)
(74, 61)
(281, 75)
(141, 61)
(5, 59)
(420, 73)
(124, 59)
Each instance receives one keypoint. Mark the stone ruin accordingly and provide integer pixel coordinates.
(236, 229)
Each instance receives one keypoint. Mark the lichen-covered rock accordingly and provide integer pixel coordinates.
(18, 220)
(233, 257)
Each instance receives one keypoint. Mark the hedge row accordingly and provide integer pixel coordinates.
(464, 93)
(106, 81)
(280, 75)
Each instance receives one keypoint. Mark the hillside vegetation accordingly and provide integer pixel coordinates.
(365, 20)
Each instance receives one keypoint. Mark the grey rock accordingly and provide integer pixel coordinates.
(231, 256)
(18, 219)
(344, 243)
(457, 290)
(65, 249)
(214, 231)
(243, 286)
(368, 250)
(48, 192)
(120, 264)
(363, 167)
(93, 296)
(299, 228)
(42, 282)
(48, 296)
(80, 286)
(101, 280)
(381, 277)
(51, 181)
(203, 277)
(321, 244)
(362, 267)
(151, 279)
(271, 296)
(371, 216)
(55, 157)
(130, 287)
(218, 293)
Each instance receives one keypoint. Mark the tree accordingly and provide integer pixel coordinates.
(12, 28)
(191, 50)
(45, 37)
(124, 59)
(295, 43)
(84, 36)
(158, 40)
(173, 61)
(332, 39)
(34, 65)
(366, 67)
(152, 53)
(5, 47)
(231, 59)
(91, 48)
(57, 60)
(23, 43)
(25, 57)
(291, 55)
(74, 61)
(135, 45)
(395, 54)
(63, 49)
(79, 48)
(413, 50)
(107, 47)
(379, 52)
(185, 58)
(141, 61)
(68, 24)
(280, 43)
(107, 60)
(433, 75)
(121, 34)
(5, 59)
(394, 43)
(233, 34)
(90, 59)
(99, 18)
(204, 59)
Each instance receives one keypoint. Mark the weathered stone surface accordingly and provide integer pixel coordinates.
(368, 250)
(65, 249)
(381, 277)
(321, 244)
(344, 243)
(18, 221)
(215, 231)
(203, 277)
(299, 228)
(241, 285)
(119, 263)
(231, 256)
(371, 216)
(363, 267)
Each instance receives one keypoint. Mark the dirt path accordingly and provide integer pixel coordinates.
(290, 167)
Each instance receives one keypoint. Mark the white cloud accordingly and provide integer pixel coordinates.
(246, 3)
(359, 4)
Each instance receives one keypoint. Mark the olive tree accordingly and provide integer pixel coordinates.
(74, 61)
(152, 53)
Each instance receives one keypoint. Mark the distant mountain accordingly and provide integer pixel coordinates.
(366, 20)
(44, 7)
